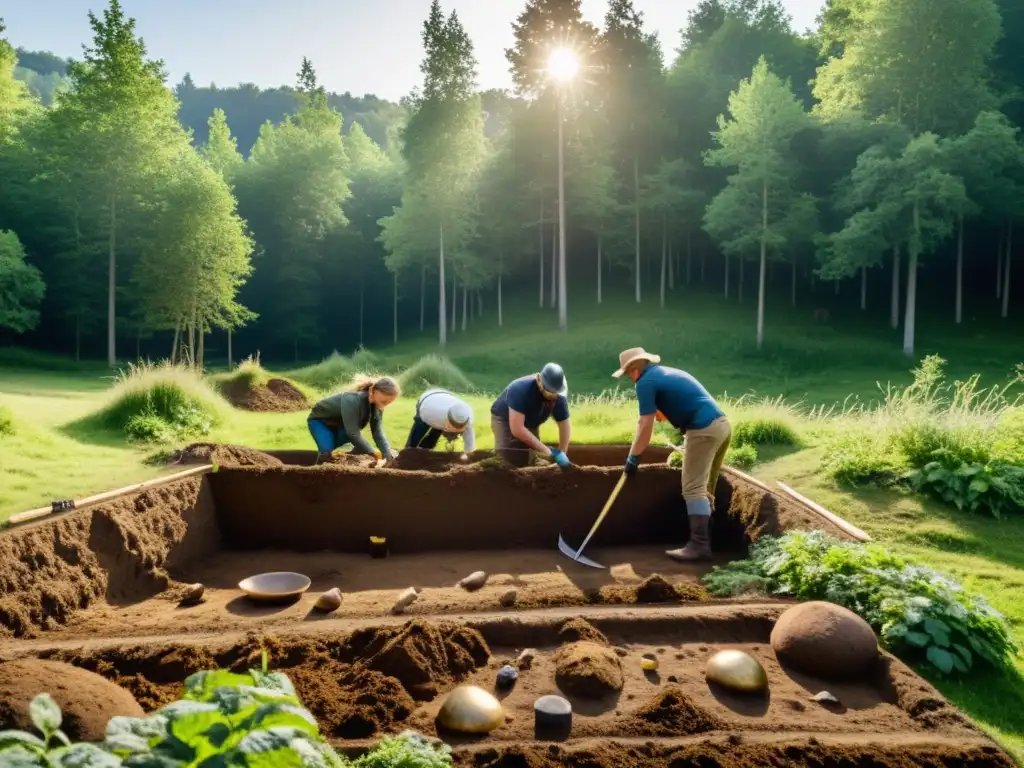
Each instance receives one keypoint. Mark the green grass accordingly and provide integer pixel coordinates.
(787, 406)
(433, 371)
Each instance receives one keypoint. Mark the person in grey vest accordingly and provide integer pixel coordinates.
(439, 413)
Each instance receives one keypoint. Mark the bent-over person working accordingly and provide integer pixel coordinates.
(519, 411)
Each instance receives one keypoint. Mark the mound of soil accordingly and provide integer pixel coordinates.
(364, 460)
(441, 460)
(225, 456)
(274, 396)
(671, 713)
(654, 589)
(120, 550)
(576, 630)
(825, 640)
(87, 701)
(588, 670)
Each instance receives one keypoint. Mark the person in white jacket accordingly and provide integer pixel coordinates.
(439, 412)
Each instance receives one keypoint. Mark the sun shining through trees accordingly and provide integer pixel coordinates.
(563, 65)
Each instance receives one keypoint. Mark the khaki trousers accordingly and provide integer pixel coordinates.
(702, 462)
(508, 446)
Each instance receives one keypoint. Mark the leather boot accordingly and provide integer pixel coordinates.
(699, 545)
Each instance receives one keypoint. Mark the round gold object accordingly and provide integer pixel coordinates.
(736, 670)
(469, 709)
(648, 663)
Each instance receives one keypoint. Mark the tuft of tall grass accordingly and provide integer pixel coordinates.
(763, 421)
(434, 371)
(161, 402)
(7, 426)
(329, 374)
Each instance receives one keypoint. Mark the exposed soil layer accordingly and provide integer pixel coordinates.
(113, 553)
(87, 701)
(273, 396)
(384, 679)
(225, 456)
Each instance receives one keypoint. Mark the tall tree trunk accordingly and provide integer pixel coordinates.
(689, 259)
(726, 275)
(112, 287)
(540, 239)
(960, 269)
(554, 268)
(465, 303)
(500, 270)
(423, 294)
(394, 310)
(764, 265)
(479, 303)
(598, 269)
(455, 303)
(908, 319)
(174, 344)
(563, 295)
(231, 359)
(894, 304)
(636, 218)
(442, 302)
(1006, 277)
(671, 268)
(664, 256)
(999, 265)
(792, 284)
(863, 289)
(201, 354)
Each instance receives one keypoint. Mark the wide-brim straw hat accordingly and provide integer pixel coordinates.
(633, 355)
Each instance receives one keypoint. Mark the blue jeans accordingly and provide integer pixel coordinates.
(326, 437)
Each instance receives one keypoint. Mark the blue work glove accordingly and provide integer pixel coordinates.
(632, 465)
(560, 458)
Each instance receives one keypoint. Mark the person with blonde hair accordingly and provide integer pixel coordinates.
(338, 419)
(672, 395)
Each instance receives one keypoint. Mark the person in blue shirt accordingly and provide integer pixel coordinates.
(522, 407)
(668, 394)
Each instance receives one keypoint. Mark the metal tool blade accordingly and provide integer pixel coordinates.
(573, 555)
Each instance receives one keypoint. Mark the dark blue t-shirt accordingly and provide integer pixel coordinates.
(524, 395)
(680, 398)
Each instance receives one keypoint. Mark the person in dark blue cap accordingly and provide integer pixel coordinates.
(519, 411)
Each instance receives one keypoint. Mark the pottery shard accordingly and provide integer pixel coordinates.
(824, 640)
(329, 600)
(474, 581)
(192, 594)
(588, 669)
(407, 598)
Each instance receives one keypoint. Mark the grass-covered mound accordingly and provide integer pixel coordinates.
(334, 371)
(160, 403)
(251, 388)
(434, 371)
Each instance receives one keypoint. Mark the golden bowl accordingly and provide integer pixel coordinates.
(736, 670)
(469, 709)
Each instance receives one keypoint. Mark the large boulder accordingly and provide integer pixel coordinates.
(86, 700)
(824, 640)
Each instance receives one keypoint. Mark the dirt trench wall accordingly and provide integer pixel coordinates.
(339, 508)
(120, 551)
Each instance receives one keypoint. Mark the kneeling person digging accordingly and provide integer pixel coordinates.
(677, 397)
(439, 414)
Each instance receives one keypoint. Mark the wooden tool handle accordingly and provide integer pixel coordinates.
(607, 506)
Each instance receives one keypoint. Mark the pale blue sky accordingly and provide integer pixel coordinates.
(362, 46)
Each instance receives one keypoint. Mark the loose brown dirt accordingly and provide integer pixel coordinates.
(224, 455)
(87, 701)
(273, 396)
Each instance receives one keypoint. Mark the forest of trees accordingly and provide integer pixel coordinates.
(881, 152)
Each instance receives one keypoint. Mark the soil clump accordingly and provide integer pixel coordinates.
(87, 701)
(671, 713)
(272, 396)
(420, 460)
(652, 590)
(576, 630)
(825, 640)
(225, 456)
(363, 460)
(588, 669)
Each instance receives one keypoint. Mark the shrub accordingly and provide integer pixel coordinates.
(916, 611)
(161, 402)
(327, 374)
(433, 371)
(769, 421)
(6, 421)
(996, 487)
(742, 456)
(858, 452)
(250, 372)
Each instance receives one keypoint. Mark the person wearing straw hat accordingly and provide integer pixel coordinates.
(522, 407)
(439, 414)
(672, 395)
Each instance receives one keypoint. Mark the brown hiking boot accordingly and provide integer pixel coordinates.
(699, 545)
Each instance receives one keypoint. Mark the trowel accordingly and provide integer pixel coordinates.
(576, 555)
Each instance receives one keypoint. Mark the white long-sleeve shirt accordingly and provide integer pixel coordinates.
(433, 407)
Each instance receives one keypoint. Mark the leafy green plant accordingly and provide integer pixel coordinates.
(917, 612)
(408, 750)
(21, 749)
(997, 488)
(743, 456)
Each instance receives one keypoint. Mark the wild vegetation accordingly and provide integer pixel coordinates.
(774, 167)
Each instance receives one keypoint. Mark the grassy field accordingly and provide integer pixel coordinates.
(60, 443)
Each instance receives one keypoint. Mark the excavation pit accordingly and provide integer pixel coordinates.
(100, 586)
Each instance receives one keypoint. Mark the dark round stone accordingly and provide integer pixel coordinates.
(552, 712)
